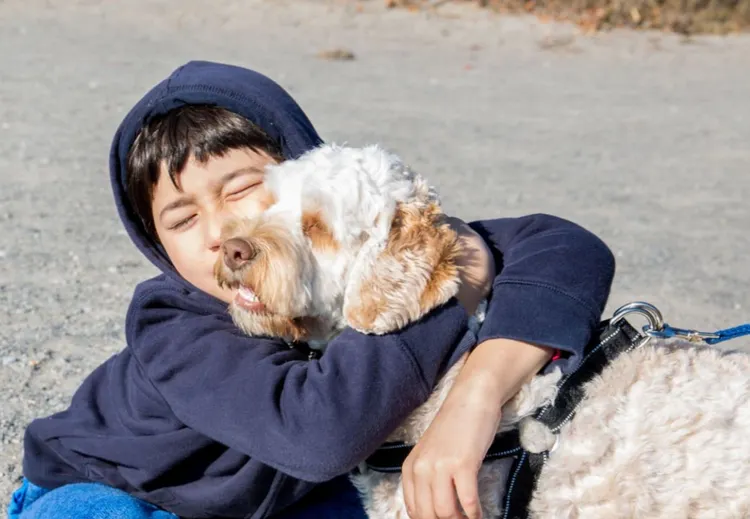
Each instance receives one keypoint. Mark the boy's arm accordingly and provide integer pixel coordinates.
(312, 420)
(553, 282)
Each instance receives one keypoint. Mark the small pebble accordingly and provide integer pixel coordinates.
(8, 359)
(337, 55)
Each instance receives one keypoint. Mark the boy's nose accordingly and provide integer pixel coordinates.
(237, 252)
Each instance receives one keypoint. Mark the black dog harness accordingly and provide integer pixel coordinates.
(613, 337)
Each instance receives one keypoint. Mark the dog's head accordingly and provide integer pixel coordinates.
(290, 271)
(354, 238)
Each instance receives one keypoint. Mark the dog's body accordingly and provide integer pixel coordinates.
(356, 239)
(660, 434)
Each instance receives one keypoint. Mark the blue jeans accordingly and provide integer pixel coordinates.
(337, 499)
(80, 501)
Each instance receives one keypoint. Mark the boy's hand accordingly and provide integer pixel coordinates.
(477, 266)
(442, 469)
(440, 476)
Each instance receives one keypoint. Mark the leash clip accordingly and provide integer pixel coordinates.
(668, 332)
(656, 326)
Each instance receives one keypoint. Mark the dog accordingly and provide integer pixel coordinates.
(356, 238)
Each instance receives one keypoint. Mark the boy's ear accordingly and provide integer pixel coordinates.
(414, 271)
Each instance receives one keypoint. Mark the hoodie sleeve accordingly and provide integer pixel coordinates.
(553, 282)
(312, 420)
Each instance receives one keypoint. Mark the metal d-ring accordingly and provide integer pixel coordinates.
(649, 311)
(556, 444)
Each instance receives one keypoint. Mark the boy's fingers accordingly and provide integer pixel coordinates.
(467, 488)
(407, 485)
(444, 494)
(425, 507)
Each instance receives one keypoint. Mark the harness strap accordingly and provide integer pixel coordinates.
(611, 341)
(524, 474)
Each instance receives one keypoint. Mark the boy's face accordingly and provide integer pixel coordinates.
(188, 220)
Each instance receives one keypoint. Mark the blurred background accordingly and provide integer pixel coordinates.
(631, 118)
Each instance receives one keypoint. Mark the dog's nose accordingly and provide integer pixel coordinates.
(237, 252)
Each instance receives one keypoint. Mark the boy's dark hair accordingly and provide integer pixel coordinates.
(200, 131)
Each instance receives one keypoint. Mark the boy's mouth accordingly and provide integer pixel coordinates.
(247, 300)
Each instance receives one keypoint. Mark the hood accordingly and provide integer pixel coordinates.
(239, 90)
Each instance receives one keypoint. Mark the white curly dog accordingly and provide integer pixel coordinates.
(355, 238)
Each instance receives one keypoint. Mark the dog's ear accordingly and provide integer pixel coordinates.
(317, 231)
(397, 282)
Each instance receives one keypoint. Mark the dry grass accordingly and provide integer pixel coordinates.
(680, 16)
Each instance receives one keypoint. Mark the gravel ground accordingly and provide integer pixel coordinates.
(639, 137)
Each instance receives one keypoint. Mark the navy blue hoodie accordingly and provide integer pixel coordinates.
(205, 422)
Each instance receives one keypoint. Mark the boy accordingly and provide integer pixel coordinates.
(195, 419)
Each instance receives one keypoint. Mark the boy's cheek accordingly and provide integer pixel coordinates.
(202, 276)
(195, 265)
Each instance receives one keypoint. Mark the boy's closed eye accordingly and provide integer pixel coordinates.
(183, 223)
(241, 188)
(178, 213)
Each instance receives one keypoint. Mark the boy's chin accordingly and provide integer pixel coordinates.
(226, 295)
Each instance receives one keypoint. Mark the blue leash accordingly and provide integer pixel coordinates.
(668, 332)
(730, 333)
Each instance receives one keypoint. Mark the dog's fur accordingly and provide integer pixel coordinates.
(357, 239)
(662, 433)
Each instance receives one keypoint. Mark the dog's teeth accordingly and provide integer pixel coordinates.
(248, 294)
